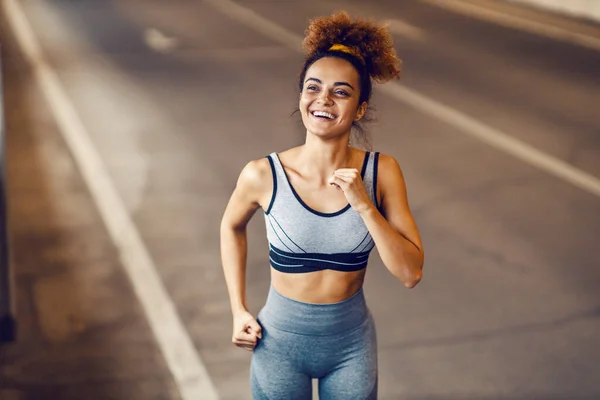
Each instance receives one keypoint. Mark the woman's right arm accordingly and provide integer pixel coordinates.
(252, 190)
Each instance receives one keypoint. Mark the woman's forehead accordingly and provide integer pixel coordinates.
(332, 69)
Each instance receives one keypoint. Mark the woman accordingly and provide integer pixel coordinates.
(326, 206)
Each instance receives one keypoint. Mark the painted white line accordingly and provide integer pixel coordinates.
(516, 22)
(185, 364)
(452, 117)
(260, 24)
(495, 138)
(404, 29)
(158, 41)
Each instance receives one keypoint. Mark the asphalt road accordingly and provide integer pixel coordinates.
(177, 96)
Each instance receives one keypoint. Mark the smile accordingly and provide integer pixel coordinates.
(323, 115)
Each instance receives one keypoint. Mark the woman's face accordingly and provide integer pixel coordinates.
(329, 99)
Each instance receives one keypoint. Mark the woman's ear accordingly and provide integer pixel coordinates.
(360, 112)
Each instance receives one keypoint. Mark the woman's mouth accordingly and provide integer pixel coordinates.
(324, 115)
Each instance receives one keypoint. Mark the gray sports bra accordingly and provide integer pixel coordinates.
(305, 240)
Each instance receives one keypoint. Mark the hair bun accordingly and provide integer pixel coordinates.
(372, 42)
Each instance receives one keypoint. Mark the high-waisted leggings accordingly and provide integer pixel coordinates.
(334, 343)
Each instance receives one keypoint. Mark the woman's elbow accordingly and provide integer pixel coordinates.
(412, 280)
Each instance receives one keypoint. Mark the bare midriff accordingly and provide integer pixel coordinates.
(320, 287)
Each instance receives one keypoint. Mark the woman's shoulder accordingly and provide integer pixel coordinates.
(389, 171)
(256, 175)
(387, 161)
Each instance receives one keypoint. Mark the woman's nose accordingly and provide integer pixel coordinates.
(324, 97)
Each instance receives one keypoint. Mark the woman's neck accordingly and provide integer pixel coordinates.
(321, 158)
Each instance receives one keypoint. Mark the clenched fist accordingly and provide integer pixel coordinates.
(246, 330)
(349, 181)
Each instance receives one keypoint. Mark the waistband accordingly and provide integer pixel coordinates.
(295, 316)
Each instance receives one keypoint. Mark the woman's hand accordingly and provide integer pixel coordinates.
(246, 330)
(349, 181)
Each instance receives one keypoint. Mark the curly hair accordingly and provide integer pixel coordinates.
(368, 41)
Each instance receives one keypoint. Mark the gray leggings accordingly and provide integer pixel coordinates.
(335, 343)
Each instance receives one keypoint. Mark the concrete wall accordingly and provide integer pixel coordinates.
(589, 9)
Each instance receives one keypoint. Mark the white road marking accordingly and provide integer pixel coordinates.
(464, 123)
(404, 29)
(185, 364)
(495, 138)
(158, 41)
(247, 17)
(516, 22)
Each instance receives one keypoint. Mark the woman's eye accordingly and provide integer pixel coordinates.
(312, 88)
(342, 93)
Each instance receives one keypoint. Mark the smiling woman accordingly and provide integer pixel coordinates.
(326, 205)
(367, 48)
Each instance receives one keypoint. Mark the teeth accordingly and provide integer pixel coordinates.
(323, 114)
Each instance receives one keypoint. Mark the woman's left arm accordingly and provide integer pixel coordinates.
(395, 232)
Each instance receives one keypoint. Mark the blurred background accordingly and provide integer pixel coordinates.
(126, 124)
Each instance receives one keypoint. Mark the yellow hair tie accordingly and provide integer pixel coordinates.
(346, 49)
